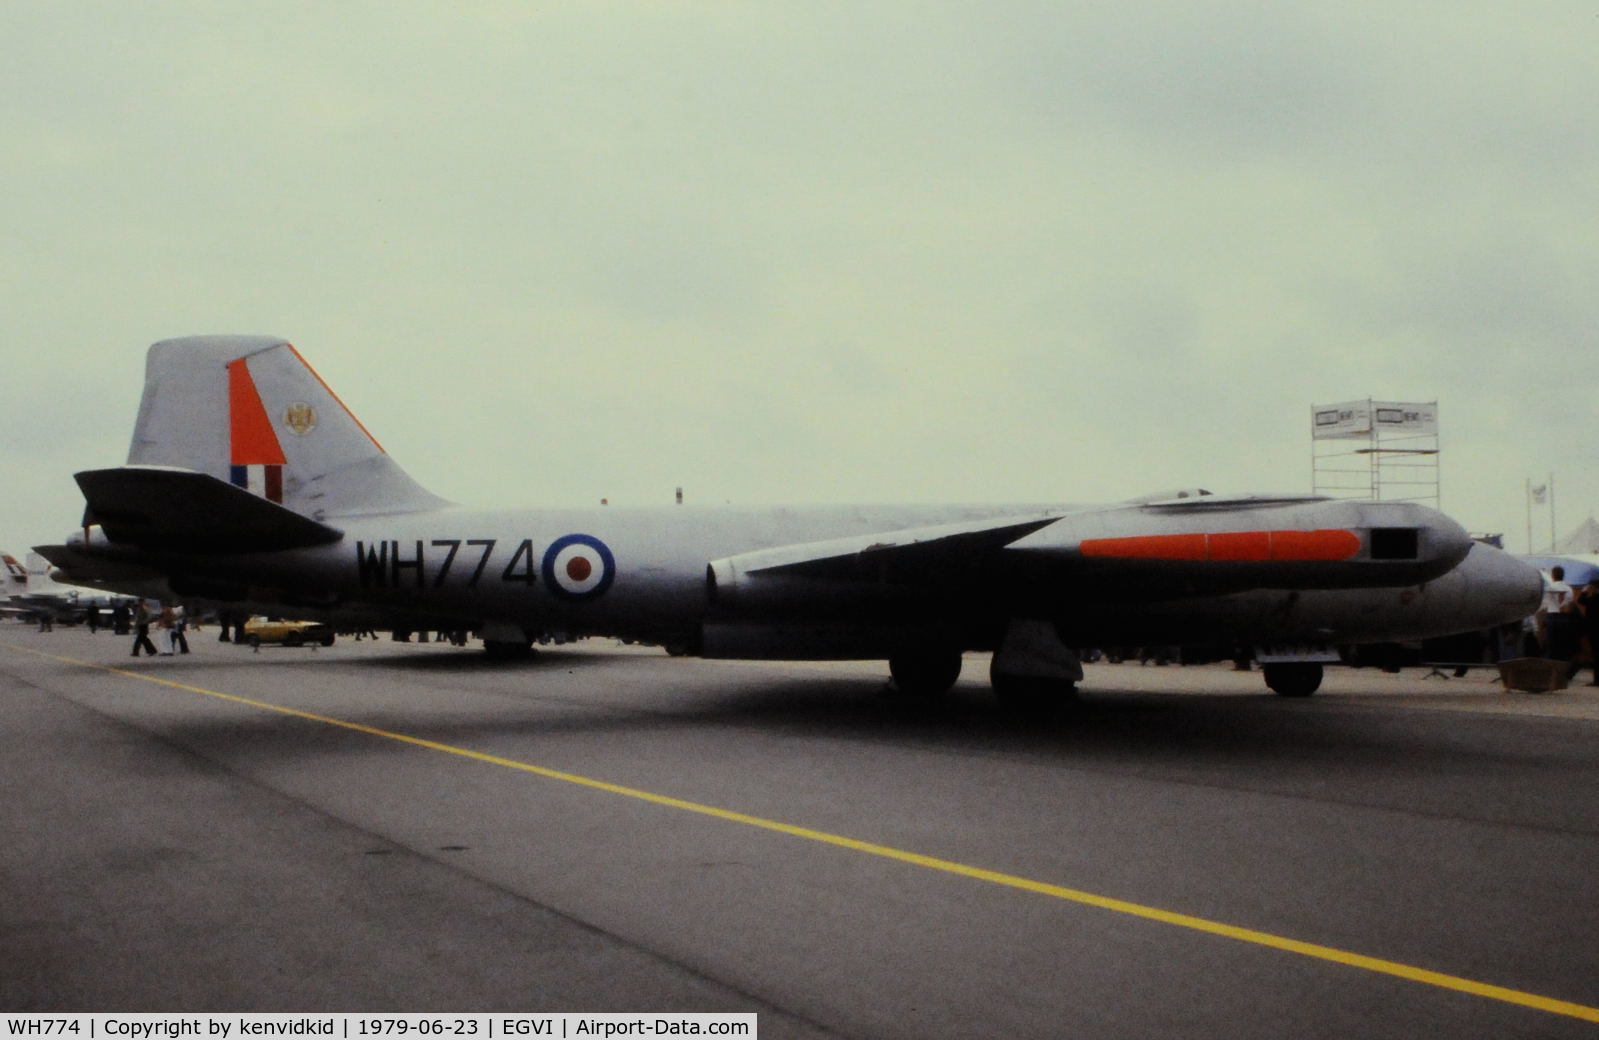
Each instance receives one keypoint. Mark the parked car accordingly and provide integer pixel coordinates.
(260, 630)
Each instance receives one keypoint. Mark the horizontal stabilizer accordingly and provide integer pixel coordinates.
(163, 507)
(74, 566)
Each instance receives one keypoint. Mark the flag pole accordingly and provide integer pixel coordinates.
(1551, 512)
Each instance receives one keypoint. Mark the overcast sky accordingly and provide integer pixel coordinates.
(1009, 250)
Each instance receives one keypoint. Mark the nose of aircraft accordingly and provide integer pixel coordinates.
(1448, 538)
(1500, 581)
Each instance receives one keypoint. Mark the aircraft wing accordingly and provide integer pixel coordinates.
(893, 556)
(887, 565)
(163, 507)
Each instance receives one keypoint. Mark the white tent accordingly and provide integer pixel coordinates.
(1583, 540)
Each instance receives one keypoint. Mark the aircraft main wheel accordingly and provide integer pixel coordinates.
(1293, 678)
(925, 673)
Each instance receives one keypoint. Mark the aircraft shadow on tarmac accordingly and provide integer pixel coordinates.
(1445, 764)
(457, 659)
(208, 656)
(1362, 758)
(1126, 730)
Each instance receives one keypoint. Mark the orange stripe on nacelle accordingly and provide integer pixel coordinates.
(1230, 546)
(1314, 545)
(1149, 547)
(1241, 546)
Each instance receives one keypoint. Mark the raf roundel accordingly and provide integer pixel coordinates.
(578, 566)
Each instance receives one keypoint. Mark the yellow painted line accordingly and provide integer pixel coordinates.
(1197, 924)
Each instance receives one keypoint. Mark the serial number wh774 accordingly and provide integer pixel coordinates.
(574, 566)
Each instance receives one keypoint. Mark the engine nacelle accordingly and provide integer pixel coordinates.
(1214, 544)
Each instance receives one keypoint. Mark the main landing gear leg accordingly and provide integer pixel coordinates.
(506, 643)
(1034, 671)
(508, 650)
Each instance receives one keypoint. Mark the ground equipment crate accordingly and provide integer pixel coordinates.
(1534, 674)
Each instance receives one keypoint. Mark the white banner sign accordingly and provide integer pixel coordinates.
(1361, 418)
(1341, 420)
(1411, 418)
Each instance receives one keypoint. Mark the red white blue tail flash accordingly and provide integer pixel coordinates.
(255, 455)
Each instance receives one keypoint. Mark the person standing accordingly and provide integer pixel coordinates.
(1588, 609)
(1552, 625)
(167, 622)
(141, 631)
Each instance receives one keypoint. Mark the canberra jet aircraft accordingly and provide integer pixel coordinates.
(250, 483)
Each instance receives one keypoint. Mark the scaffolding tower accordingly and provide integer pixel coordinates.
(1386, 451)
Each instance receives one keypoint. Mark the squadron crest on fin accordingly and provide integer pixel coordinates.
(300, 417)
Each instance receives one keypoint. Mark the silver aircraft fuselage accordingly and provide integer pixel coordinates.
(502, 572)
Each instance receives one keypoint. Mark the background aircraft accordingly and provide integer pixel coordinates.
(32, 592)
(248, 482)
(15, 581)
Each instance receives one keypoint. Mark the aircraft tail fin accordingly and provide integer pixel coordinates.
(15, 578)
(250, 411)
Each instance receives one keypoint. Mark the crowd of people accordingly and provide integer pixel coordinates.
(171, 625)
(1566, 626)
